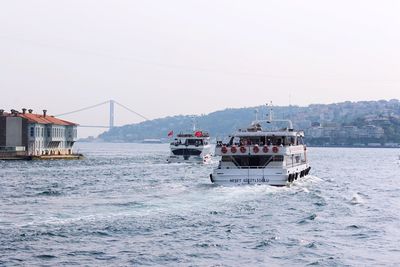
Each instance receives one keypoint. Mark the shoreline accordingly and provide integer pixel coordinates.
(44, 157)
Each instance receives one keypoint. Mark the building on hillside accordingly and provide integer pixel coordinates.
(35, 135)
(372, 131)
(349, 132)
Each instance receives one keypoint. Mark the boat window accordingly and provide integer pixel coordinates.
(273, 140)
(234, 141)
(252, 141)
(194, 142)
(279, 140)
(186, 152)
(176, 142)
(265, 140)
(295, 160)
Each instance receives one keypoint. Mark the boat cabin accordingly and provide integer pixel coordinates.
(270, 139)
(262, 149)
(198, 138)
(189, 142)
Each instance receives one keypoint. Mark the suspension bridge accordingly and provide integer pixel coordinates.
(112, 104)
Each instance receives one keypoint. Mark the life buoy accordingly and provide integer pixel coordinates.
(265, 149)
(256, 149)
(224, 149)
(275, 149)
(242, 149)
(233, 149)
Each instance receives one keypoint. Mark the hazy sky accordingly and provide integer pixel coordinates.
(164, 58)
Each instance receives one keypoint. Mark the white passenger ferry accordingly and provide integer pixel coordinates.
(258, 156)
(191, 147)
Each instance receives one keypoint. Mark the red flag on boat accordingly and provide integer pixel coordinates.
(171, 133)
(198, 134)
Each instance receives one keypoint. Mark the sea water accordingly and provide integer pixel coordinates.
(125, 206)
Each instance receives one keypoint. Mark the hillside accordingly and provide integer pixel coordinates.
(337, 118)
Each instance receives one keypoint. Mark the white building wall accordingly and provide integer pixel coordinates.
(50, 139)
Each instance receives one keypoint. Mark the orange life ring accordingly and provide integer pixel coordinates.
(275, 149)
(265, 149)
(256, 149)
(224, 149)
(242, 149)
(233, 149)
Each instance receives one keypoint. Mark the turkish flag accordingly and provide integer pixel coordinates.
(198, 134)
(171, 133)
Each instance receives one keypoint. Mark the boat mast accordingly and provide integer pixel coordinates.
(270, 119)
(270, 111)
(194, 124)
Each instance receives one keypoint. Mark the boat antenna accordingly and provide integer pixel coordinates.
(194, 123)
(256, 113)
(270, 111)
(290, 105)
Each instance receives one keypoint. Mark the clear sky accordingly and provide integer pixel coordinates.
(163, 58)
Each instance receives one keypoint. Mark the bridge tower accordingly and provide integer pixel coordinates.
(112, 102)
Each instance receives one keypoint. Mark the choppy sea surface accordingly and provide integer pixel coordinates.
(125, 206)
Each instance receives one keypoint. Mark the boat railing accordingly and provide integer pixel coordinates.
(186, 144)
(259, 144)
(251, 167)
(270, 160)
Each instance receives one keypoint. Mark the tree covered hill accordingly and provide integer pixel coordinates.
(224, 122)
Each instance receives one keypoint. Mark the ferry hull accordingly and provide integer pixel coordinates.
(234, 177)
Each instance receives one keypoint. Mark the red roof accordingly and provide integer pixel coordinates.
(39, 118)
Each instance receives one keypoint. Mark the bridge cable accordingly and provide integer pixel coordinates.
(83, 109)
(125, 107)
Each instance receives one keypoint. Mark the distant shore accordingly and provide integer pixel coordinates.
(308, 145)
(348, 146)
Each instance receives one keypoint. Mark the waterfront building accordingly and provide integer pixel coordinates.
(29, 134)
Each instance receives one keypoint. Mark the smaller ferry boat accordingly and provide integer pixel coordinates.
(191, 147)
(257, 156)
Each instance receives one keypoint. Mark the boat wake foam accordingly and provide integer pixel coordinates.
(356, 199)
